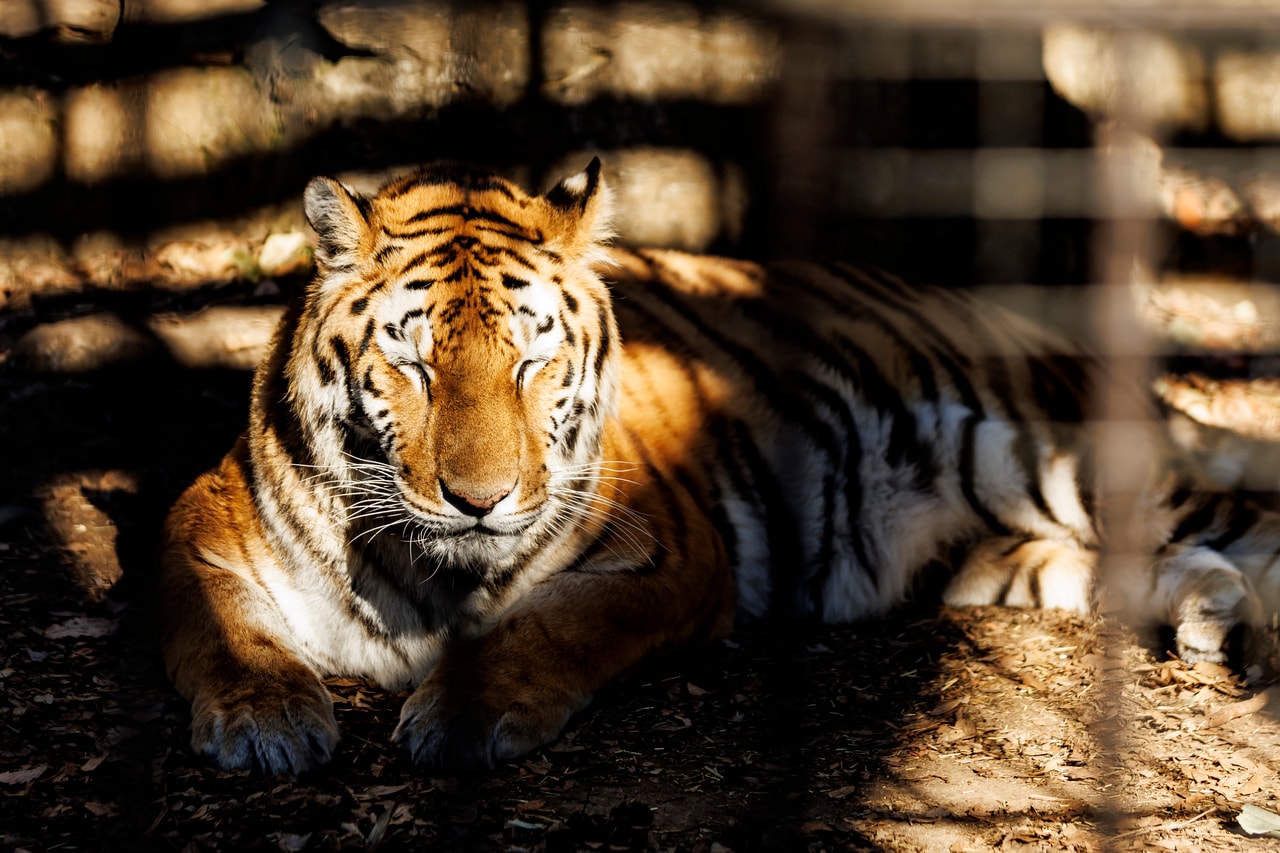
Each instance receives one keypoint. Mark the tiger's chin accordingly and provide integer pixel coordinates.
(476, 549)
(481, 546)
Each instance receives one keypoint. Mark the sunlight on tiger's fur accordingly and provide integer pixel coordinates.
(493, 460)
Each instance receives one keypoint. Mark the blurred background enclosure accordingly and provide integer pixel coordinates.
(160, 146)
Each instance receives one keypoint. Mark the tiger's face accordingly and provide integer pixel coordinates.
(461, 349)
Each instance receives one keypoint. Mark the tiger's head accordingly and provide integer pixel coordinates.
(455, 358)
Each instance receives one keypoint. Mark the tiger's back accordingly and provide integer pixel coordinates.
(852, 428)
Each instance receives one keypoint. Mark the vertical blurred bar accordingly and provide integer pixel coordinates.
(1124, 454)
(805, 153)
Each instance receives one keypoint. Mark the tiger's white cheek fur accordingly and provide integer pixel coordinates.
(404, 333)
(535, 324)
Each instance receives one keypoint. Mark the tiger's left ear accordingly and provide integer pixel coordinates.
(580, 209)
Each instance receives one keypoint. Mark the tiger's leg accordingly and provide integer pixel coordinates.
(1203, 595)
(254, 703)
(1021, 572)
(1220, 570)
(512, 689)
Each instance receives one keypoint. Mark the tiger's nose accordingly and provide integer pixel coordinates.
(471, 505)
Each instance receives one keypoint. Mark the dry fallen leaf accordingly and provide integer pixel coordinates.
(82, 626)
(1258, 821)
(23, 776)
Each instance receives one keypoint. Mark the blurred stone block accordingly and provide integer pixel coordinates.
(1155, 78)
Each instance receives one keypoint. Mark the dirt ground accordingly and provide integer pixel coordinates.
(930, 729)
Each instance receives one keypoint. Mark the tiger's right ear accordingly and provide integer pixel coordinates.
(580, 209)
(337, 214)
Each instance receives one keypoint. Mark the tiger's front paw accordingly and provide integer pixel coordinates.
(1018, 572)
(284, 725)
(466, 725)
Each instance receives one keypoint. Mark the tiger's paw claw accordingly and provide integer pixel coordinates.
(457, 734)
(271, 729)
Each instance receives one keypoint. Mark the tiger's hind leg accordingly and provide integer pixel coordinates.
(1021, 572)
(1203, 595)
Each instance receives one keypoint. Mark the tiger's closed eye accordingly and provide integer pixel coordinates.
(417, 371)
(526, 370)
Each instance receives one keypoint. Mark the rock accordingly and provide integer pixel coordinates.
(197, 119)
(1247, 96)
(1155, 78)
(224, 336)
(81, 344)
(70, 20)
(28, 141)
(285, 254)
(653, 51)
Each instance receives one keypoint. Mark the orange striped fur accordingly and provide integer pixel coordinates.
(494, 461)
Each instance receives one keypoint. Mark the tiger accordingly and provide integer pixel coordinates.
(499, 462)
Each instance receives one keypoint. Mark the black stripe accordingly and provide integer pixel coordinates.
(339, 347)
(570, 302)
(781, 531)
(526, 235)
(417, 261)
(665, 543)
(327, 374)
(953, 362)
(473, 215)
(514, 256)
(282, 421)
(414, 235)
(826, 552)
(510, 282)
(904, 435)
(921, 367)
(1242, 520)
(784, 400)
(1025, 447)
(385, 253)
(968, 452)
(448, 173)
(838, 405)
(1059, 384)
(368, 386)
(724, 527)
(605, 343)
(1198, 520)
